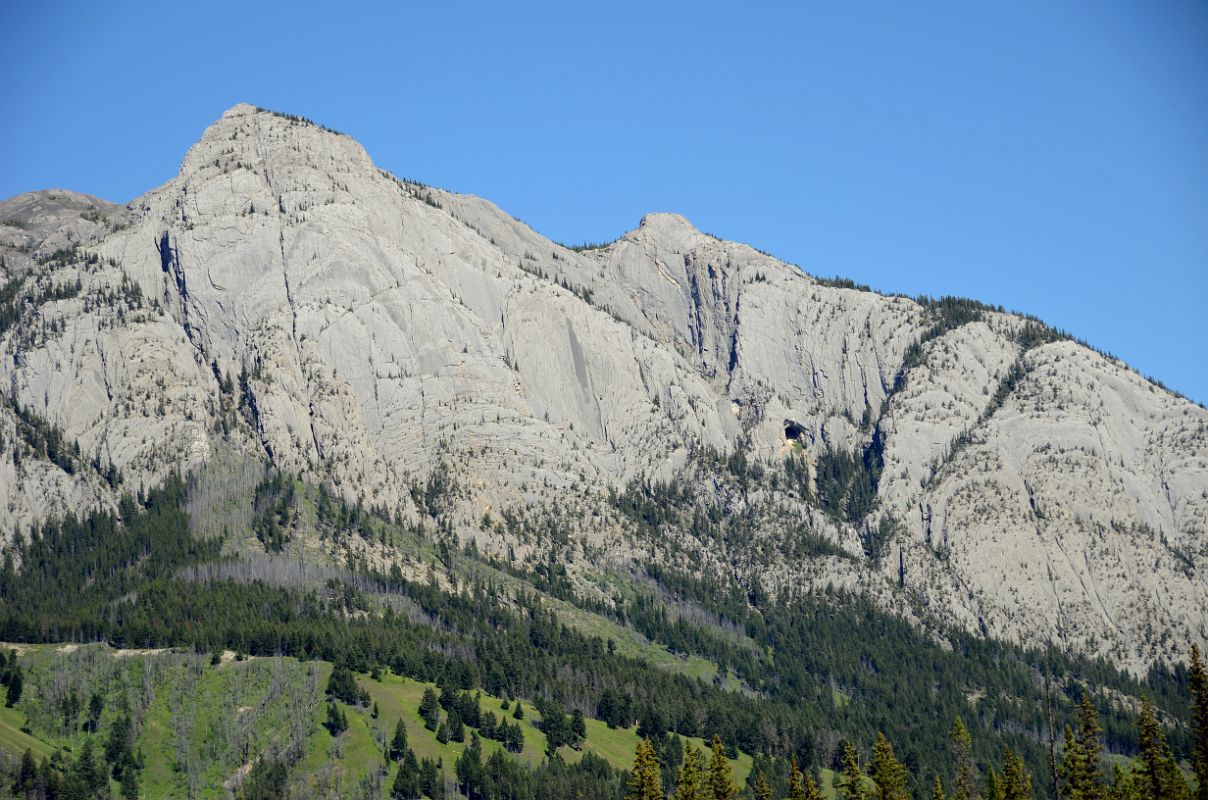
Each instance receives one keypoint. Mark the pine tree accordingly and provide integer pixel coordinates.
(87, 771)
(468, 766)
(1082, 770)
(336, 722)
(888, 773)
(342, 685)
(962, 754)
(406, 784)
(994, 789)
(117, 745)
(96, 706)
(129, 784)
(513, 737)
(690, 783)
(645, 781)
(429, 709)
(578, 725)
(27, 777)
(431, 779)
(801, 784)
(1159, 775)
(721, 785)
(15, 685)
(1152, 745)
(763, 790)
(519, 712)
(1017, 784)
(1197, 677)
(851, 777)
(398, 744)
(1173, 780)
(1073, 765)
(937, 789)
(1123, 786)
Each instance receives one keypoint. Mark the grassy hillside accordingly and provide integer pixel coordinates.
(200, 721)
(13, 738)
(399, 697)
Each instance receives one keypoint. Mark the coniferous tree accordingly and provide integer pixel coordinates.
(1160, 778)
(456, 728)
(429, 709)
(578, 725)
(398, 744)
(721, 785)
(1124, 785)
(645, 781)
(488, 727)
(336, 722)
(469, 764)
(1073, 763)
(129, 785)
(1172, 777)
(1017, 784)
(431, 779)
(1152, 746)
(1082, 770)
(513, 737)
(96, 706)
(690, 782)
(962, 756)
(994, 789)
(851, 777)
(15, 685)
(342, 685)
(117, 746)
(888, 773)
(88, 773)
(27, 775)
(763, 790)
(937, 789)
(1197, 678)
(801, 784)
(519, 712)
(406, 784)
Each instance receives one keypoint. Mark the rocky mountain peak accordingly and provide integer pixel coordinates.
(273, 144)
(284, 300)
(668, 230)
(240, 110)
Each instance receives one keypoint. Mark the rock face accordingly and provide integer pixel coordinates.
(286, 297)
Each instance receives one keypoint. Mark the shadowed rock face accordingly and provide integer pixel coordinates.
(360, 330)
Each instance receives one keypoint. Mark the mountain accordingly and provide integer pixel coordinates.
(668, 400)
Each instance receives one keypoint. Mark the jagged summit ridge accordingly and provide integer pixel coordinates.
(284, 298)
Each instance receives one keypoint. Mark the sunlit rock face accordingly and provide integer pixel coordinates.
(284, 297)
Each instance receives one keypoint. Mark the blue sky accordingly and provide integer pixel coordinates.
(1049, 156)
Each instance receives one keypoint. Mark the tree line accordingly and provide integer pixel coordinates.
(1081, 773)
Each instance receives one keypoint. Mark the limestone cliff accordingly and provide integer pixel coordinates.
(285, 297)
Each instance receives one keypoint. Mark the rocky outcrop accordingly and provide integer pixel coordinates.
(284, 295)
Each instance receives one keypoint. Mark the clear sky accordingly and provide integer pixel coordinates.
(1048, 155)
